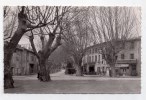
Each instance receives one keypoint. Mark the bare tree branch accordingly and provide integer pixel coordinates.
(112, 27)
(32, 44)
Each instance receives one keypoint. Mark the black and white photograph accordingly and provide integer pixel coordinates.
(72, 49)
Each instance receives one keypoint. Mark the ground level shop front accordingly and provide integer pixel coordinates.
(122, 68)
(128, 68)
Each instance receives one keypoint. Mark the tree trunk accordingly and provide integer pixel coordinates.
(8, 53)
(44, 73)
(8, 80)
(113, 74)
(79, 71)
(10, 47)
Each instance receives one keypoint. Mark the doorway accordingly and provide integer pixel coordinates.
(91, 70)
(31, 68)
(133, 70)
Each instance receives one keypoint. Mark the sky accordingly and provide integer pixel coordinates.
(24, 40)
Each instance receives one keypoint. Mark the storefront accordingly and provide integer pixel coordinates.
(126, 68)
(122, 69)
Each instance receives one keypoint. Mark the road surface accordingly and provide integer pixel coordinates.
(62, 83)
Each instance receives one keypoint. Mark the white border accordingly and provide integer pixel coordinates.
(141, 96)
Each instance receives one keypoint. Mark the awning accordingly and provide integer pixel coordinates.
(130, 61)
(122, 65)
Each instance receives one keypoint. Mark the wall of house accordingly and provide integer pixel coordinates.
(94, 56)
(136, 51)
(139, 58)
(21, 60)
(16, 62)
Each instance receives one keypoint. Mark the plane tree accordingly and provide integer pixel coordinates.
(49, 38)
(17, 22)
(77, 38)
(111, 27)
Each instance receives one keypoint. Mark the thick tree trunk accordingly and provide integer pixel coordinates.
(113, 73)
(10, 47)
(8, 80)
(79, 71)
(8, 53)
(44, 73)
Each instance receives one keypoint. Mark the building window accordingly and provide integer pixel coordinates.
(92, 58)
(99, 59)
(131, 56)
(32, 59)
(95, 50)
(122, 56)
(132, 45)
(89, 58)
(102, 62)
(90, 51)
(95, 58)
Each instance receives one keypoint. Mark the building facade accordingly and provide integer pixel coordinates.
(93, 62)
(128, 60)
(24, 62)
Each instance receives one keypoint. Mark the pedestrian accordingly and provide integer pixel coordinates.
(38, 75)
(110, 73)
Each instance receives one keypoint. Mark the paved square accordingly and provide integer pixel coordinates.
(72, 84)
